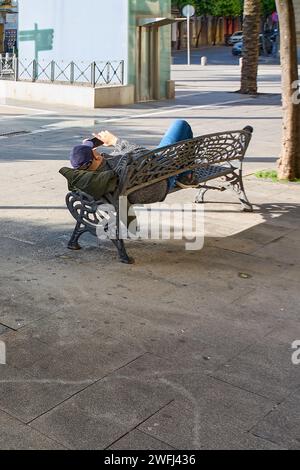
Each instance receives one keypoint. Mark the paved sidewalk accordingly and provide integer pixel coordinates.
(183, 350)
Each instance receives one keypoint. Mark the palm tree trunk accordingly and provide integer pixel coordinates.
(289, 163)
(251, 47)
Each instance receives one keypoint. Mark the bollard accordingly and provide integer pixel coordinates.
(241, 62)
(203, 61)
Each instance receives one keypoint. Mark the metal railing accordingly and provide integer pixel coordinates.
(82, 73)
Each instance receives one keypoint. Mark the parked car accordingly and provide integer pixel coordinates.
(265, 45)
(235, 38)
(238, 48)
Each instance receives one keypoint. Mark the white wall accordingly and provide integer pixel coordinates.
(84, 30)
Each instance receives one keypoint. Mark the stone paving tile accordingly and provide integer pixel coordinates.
(85, 361)
(216, 264)
(249, 319)
(17, 436)
(138, 440)
(252, 240)
(25, 251)
(69, 326)
(286, 331)
(184, 429)
(162, 294)
(78, 429)
(215, 334)
(3, 329)
(279, 300)
(104, 412)
(16, 313)
(180, 334)
(194, 388)
(265, 368)
(37, 291)
(282, 425)
(294, 235)
(146, 326)
(284, 249)
(25, 298)
(293, 273)
(124, 400)
(117, 295)
(23, 350)
(26, 397)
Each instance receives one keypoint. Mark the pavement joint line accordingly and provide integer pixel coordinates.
(235, 356)
(262, 418)
(47, 436)
(257, 436)
(15, 418)
(142, 422)
(90, 384)
(19, 330)
(241, 388)
(156, 438)
(253, 253)
(253, 256)
(8, 327)
(253, 289)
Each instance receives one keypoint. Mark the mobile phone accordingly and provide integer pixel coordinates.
(96, 142)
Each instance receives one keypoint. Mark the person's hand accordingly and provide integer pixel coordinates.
(97, 156)
(108, 139)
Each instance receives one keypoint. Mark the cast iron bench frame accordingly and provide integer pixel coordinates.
(212, 156)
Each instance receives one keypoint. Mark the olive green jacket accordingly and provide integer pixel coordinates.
(95, 183)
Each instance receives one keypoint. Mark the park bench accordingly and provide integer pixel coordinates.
(216, 156)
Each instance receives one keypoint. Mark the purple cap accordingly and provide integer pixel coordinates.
(81, 155)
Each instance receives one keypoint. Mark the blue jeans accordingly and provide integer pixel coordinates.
(178, 131)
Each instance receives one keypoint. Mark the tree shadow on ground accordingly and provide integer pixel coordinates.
(41, 241)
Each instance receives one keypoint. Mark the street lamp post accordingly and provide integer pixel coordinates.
(188, 11)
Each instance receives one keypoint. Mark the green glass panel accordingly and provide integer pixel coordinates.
(151, 9)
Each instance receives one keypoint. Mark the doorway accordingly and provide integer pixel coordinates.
(148, 67)
(148, 53)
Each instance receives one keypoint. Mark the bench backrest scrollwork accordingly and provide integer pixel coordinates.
(161, 164)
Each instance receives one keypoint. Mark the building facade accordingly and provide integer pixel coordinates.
(136, 32)
(8, 26)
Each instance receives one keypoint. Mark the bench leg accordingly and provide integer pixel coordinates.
(200, 196)
(203, 191)
(123, 255)
(119, 241)
(237, 185)
(73, 243)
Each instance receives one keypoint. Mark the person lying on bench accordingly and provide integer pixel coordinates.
(85, 159)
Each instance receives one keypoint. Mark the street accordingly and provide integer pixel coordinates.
(216, 55)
